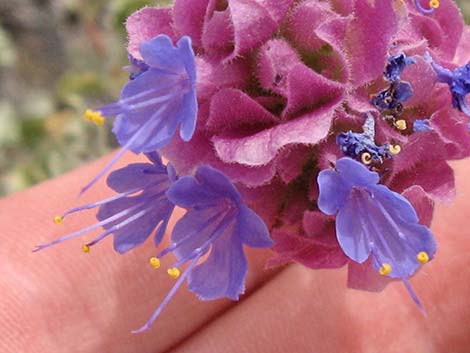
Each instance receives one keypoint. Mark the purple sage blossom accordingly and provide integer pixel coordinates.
(159, 97)
(217, 223)
(362, 145)
(374, 222)
(139, 208)
(279, 80)
(280, 84)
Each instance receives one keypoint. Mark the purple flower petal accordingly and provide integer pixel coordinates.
(276, 59)
(152, 215)
(136, 175)
(259, 149)
(452, 129)
(146, 24)
(291, 161)
(461, 55)
(188, 16)
(421, 202)
(252, 230)
(351, 230)
(368, 38)
(218, 36)
(200, 150)
(212, 76)
(396, 64)
(222, 274)
(252, 21)
(187, 192)
(320, 228)
(355, 174)
(436, 177)
(334, 192)
(442, 30)
(228, 103)
(158, 100)
(308, 91)
(304, 19)
(420, 77)
(194, 229)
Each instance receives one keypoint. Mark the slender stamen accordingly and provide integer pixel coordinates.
(395, 226)
(221, 227)
(370, 221)
(180, 242)
(120, 107)
(151, 102)
(118, 215)
(120, 225)
(105, 201)
(403, 277)
(139, 101)
(414, 296)
(170, 294)
(146, 93)
(141, 131)
(117, 107)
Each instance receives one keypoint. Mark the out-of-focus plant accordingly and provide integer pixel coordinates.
(55, 55)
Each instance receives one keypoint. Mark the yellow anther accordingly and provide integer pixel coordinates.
(98, 120)
(366, 158)
(385, 269)
(173, 272)
(400, 124)
(58, 220)
(86, 248)
(394, 149)
(422, 257)
(89, 114)
(434, 4)
(94, 116)
(154, 262)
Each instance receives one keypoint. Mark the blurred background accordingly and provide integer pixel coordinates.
(58, 58)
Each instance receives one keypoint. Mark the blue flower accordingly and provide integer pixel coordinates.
(217, 223)
(390, 100)
(139, 208)
(422, 125)
(395, 66)
(373, 221)
(458, 81)
(433, 5)
(159, 98)
(362, 145)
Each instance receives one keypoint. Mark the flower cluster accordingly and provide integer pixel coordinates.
(325, 126)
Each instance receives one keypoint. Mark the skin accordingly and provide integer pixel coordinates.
(62, 300)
